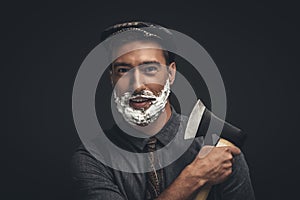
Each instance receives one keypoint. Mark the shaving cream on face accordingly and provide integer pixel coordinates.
(142, 117)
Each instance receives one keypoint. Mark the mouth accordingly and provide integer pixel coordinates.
(140, 103)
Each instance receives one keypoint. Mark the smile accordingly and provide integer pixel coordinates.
(140, 103)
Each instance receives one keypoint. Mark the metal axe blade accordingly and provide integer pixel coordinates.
(198, 125)
(194, 120)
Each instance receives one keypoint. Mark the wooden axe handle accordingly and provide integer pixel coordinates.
(203, 193)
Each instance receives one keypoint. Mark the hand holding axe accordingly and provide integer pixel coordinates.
(203, 122)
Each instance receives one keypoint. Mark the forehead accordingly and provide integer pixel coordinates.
(139, 51)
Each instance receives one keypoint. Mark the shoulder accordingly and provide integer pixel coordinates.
(240, 164)
(84, 164)
(238, 185)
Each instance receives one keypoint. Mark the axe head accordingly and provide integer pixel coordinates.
(203, 122)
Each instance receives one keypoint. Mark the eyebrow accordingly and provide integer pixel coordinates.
(117, 64)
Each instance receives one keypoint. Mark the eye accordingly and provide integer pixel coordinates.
(122, 70)
(150, 69)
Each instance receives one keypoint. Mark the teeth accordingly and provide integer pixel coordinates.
(138, 100)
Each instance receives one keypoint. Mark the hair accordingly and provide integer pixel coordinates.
(140, 31)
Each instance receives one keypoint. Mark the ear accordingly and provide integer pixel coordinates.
(172, 72)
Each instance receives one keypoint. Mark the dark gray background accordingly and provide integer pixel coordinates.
(254, 44)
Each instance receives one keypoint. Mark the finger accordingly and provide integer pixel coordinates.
(234, 150)
(229, 155)
(227, 164)
(228, 171)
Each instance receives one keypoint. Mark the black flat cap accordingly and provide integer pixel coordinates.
(146, 29)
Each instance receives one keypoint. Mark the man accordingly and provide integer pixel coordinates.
(142, 73)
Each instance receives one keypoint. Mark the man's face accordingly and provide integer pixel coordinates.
(142, 78)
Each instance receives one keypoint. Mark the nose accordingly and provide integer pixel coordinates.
(136, 81)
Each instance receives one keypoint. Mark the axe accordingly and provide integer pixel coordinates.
(203, 122)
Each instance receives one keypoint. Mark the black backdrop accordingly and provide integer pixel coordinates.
(254, 44)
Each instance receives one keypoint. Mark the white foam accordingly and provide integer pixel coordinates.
(143, 117)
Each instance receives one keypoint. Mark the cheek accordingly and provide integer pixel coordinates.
(155, 84)
(120, 85)
(158, 81)
(155, 88)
